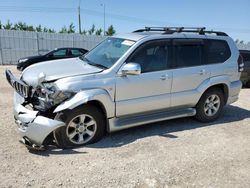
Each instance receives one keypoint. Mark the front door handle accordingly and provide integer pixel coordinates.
(164, 77)
(202, 72)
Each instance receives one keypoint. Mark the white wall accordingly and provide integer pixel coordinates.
(17, 44)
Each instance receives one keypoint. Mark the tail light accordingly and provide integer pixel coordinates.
(240, 64)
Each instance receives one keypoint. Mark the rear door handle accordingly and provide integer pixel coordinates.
(164, 77)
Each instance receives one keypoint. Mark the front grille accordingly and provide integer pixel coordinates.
(20, 87)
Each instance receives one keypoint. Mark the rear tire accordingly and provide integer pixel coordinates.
(83, 125)
(210, 105)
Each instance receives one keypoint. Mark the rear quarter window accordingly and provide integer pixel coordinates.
(217, 51)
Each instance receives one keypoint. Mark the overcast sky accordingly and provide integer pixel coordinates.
(230, 16)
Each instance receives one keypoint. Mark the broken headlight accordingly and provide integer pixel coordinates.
(55, 95)
(49, 95)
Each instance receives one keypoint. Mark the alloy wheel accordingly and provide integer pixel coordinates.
(81, 129)
(212, 105)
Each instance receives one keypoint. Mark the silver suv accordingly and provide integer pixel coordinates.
(150, 75)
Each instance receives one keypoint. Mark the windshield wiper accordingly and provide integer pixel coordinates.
(98, 65)
(93, 64)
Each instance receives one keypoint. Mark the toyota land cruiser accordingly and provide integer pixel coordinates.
(150, 75)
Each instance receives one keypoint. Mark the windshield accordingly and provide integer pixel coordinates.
(108, 52)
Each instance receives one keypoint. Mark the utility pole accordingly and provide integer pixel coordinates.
(79, 17)
(104, 18)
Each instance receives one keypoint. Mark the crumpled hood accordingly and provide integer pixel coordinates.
(57, 69)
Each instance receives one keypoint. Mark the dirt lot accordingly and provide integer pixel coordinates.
(177, 153)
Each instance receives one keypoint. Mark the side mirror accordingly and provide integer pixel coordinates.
(131, 69)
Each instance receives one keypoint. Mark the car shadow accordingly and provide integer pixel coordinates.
(164, 128)
(167, 128)
(53, 150)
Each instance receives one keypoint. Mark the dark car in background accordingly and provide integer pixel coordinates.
(245, 75)
(58, 53)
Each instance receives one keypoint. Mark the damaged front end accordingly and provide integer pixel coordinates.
(45, 97)
(33, 109)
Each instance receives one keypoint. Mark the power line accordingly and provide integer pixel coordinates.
(84, 11)
(100, 14)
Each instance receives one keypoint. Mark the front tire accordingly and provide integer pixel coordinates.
(210, 105)
(83, 125)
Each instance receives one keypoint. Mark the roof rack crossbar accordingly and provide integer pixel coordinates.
(171, 30)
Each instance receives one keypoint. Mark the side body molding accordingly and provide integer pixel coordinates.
(85, 96)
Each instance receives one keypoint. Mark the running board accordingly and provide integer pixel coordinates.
(116, 124)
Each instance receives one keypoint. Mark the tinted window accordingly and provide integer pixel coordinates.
(188, 53)
(152, 56)
(246, 57)
(217, 51)
(60, 53)
(75, 52)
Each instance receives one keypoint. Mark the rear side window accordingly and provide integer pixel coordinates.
(188, 53)
(76, 52)
(217, 51)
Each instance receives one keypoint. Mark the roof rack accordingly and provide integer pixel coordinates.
(171, 30)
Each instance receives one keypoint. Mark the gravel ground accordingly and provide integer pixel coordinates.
(176, 153)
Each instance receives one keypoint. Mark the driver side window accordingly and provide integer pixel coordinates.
(152, 56)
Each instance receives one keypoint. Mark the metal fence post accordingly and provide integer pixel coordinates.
(37, 40)
(1, 49)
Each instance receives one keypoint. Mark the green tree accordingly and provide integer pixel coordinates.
(39, 28)
(111, 31)
(71, 28)
(20, 26)
(30, 28)
(92, 30)
(63, 30)
(51, 31)
(84, 32)
(8, 25)
(45, 29)
(98, 32)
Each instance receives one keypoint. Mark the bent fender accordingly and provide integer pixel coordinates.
(85, 96)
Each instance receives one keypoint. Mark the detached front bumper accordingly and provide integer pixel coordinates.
(31, 125)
